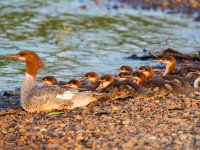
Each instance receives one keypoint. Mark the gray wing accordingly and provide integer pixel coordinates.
(49, 97)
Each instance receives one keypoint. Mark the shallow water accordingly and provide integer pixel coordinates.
(100, 38)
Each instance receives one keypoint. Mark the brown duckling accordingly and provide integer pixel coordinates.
(74, 83)
(158, 85)
(124, 76)
(124, 69)
(94, 81)
(93, 77)
(147, 70)
(77, 84)
(48, 80)
(170, 63)
(110, 85)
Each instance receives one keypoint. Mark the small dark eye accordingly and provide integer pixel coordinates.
(21, 54)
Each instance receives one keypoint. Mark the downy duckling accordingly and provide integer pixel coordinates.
(158, 85)
(147, 70)
(124, 76)
(77, 84)
(110, 85)
(94, 81)
(170, 63)
(124, 69)
(74, 83)
(51, 80)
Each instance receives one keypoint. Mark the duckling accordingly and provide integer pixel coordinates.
(93, 77)
(158, 84)
(48, 80)
(124, 69)
(170, 63)
(111, 85)
(77, 84)
(94, 81)
(148, 71)
(74, 83)
(124, 76)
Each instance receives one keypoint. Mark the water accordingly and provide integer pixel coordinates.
(100, 39)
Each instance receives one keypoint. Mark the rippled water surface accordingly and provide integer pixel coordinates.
(95, 39)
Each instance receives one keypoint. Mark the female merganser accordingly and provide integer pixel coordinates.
(158, 85)
(35, 98)
(110, 85)
(124, 69)
(49, 80)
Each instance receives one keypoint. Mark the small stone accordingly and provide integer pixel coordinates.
(126, 122)
(24, 138)
(4, 131)
(43, 130)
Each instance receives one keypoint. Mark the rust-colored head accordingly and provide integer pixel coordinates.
(92, 76)
(49, 80)
(140, 77)
(124, 69)
(33, 61)
(74, 83)
(106, 80)
(147, 70)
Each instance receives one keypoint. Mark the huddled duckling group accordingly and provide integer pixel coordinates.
(129, 81)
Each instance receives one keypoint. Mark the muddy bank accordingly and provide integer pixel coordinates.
(140, 122)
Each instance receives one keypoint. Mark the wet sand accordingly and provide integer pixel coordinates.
(159, 122)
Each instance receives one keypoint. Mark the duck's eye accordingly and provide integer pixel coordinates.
(21, 54)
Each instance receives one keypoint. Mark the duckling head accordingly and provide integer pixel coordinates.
(139, 77)
(91, 76)
(124, 75)
(170, 63)
(124, 69)
(74, 83)
(147, 70)
(49, 80)
(106, 80)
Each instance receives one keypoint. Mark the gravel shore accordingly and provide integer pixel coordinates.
(159, 122)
